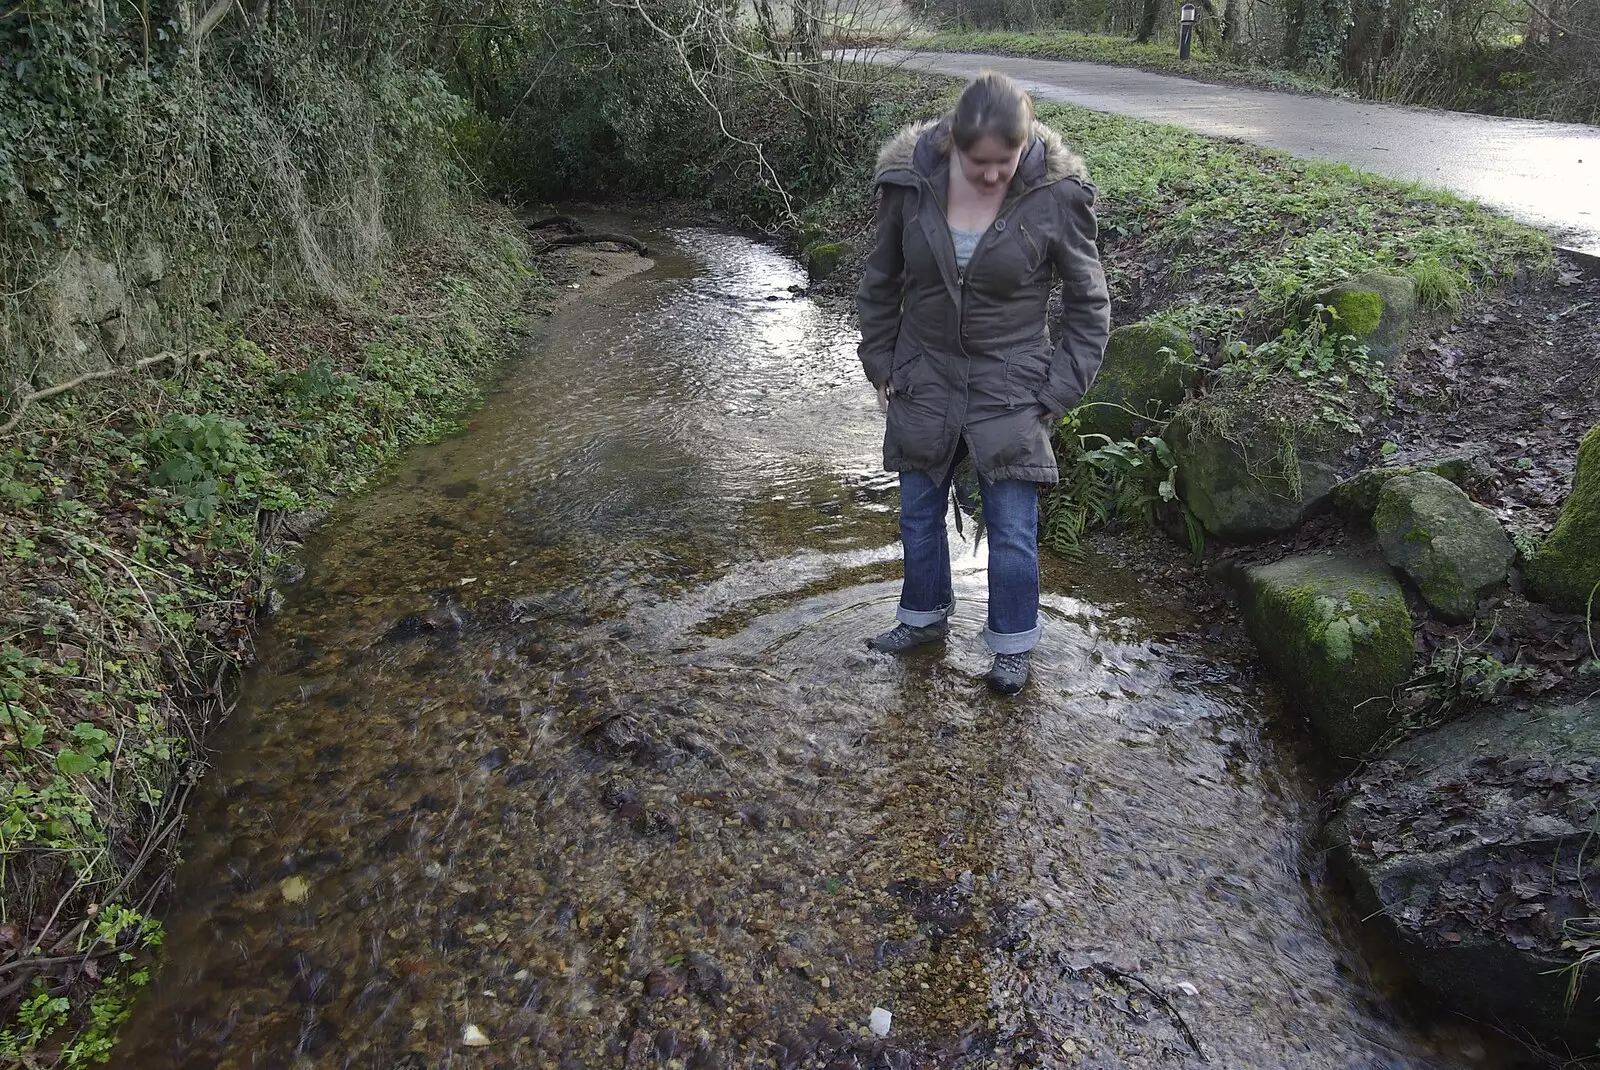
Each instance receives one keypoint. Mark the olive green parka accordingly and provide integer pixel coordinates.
(968, 354)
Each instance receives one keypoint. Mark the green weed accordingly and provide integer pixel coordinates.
(1333, 370)
(1437, 286)
(1457, 678)
(1105, 482)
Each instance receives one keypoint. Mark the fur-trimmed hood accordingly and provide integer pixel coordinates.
(922, 147)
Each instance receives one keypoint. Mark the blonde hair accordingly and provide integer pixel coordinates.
(993, 105)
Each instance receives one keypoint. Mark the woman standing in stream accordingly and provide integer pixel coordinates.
(980, 211)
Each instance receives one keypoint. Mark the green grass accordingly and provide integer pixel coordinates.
(1230, 237)
(138, 522)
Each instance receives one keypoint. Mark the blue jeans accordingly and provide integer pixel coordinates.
(1011, 514)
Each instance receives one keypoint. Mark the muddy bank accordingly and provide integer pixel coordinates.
(566, 752)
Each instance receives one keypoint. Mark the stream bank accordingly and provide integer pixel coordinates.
(146, 521)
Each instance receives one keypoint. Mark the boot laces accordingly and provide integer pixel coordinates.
(1011, 663)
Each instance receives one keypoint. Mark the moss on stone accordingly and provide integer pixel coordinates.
(1358, 495)
(1336, 633)
(1147, 369)
(1453, 549)
(1376, 308)
(823, 257)
(1566, 568)
(1359, 311)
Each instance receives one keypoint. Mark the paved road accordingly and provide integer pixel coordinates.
(1545, 174)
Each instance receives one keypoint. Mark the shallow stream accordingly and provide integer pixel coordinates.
(567, 753)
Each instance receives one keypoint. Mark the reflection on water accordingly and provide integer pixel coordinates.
(568, 754)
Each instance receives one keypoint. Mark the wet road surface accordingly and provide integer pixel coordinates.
(566, 753)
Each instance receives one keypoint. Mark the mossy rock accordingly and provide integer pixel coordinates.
(1453, 549)
(822, 257)
(1357, 497)
(1336, 633)
(1147, 369)
(1515, 792)
(1247, 483)
(1566, 567)
(1376, 308)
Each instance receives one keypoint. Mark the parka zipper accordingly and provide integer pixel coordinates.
(961, 276)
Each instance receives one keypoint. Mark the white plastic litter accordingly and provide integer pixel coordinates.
(473, 1037)
(1188, 988)
(879, 1022)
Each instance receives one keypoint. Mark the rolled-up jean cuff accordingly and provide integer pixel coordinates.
(922, 618)
(1013, 642)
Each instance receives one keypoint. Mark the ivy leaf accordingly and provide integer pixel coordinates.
(70, 763)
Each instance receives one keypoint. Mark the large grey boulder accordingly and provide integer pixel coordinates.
(1251, 479)
(1357, 497)
(1147, 370)
(1473, 844)
(1336, 633)
(1453, 549)
(1376, 308)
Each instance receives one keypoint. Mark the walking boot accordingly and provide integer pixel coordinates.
(1008, 674)
(903, 637)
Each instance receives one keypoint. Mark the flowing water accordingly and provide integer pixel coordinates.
(567, 753)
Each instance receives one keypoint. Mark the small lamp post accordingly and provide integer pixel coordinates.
(1186, 17)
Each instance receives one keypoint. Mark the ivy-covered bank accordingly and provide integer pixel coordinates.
(143, 521)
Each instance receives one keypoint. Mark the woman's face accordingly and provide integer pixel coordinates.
(990, 164)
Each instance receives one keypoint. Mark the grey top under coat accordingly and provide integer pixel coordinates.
(965, 241)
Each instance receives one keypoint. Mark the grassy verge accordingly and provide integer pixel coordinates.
(1221, 239)
(1226, 243)
(140, 522)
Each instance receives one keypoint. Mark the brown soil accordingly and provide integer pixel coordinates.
(1517, 380)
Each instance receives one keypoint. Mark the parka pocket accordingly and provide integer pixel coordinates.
(909, 368)
(1026, 372)
(1033, 245)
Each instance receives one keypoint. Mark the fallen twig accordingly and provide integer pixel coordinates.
(86, 377)
(593, 239)
(1166, 1004)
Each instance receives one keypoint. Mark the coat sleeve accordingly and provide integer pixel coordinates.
(882, 287)
(1085, 304)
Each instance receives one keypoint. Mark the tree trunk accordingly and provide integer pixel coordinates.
(1294, 25)
(767, 22)
(1147, 21)
(1232, 28)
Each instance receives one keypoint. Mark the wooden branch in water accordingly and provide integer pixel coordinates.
(86, 377)
(592, 239)
(1163, 1001)
(558, 220)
